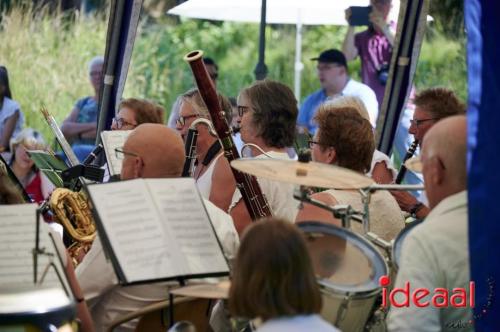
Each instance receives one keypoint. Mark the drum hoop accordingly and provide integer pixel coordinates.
(402, 234)
(379, 264)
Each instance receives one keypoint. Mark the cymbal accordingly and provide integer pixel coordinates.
(414, 164)
(312, 174)
(219, 290)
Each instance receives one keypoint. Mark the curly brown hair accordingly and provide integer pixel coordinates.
(273, 274)
(439, 102)
(275, 112)
(344, 129)
(145, 111)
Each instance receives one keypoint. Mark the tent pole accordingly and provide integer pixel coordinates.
(261, 68)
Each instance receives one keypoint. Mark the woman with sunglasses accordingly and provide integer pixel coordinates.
(212, 173)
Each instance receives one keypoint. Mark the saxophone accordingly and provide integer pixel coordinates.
(72, 211)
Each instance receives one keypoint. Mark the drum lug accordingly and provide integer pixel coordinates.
(342, 311)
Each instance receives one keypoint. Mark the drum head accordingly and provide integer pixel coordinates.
(343, 260)
(398, 242)
(40, 307)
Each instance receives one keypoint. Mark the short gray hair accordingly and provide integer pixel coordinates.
(97, 60)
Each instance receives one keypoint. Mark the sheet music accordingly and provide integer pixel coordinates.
(133, 226)
(111, 140)
(187, 222)
(17, 240)
(158, 228)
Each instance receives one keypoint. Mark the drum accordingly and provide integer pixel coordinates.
(36, 309)
(348, 268)
(398, 245)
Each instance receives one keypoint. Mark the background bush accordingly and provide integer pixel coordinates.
(47, 58)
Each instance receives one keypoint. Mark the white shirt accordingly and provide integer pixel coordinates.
(107, 300)
(278, 194)
(435, 254)
(366, 94)
(378, 157)
(297, 324)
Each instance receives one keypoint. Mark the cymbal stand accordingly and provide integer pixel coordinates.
(365, 197)
(343, 212)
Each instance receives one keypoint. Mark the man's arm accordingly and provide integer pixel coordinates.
(348, 47)
(72, 129)
(407, 202)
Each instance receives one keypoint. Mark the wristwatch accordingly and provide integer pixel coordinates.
(415, 208)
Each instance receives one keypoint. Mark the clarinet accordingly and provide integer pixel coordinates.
(255, 201)
(91, 156)
(409, 154)
(190, 147)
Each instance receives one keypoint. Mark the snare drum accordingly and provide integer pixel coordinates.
(36, 309)
(398, 245)
(348, 268)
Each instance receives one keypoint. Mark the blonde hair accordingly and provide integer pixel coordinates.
(30, 138)
(350, 101)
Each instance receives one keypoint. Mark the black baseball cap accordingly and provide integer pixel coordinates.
(332, 56)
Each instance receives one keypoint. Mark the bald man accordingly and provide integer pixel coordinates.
(436, 253)
(151, 151)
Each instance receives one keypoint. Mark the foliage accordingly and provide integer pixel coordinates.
(47, 58)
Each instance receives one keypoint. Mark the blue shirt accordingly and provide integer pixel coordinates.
(308, 109)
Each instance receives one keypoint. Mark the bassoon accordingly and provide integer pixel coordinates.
(254, 199)
(409, 154)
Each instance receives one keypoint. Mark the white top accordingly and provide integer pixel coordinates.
(204, 182)
(278, 194)
(366, 94)
(386, 218)
(107, 300)
(436, 254)
(9, 108)
(378, 157)
(297, 324)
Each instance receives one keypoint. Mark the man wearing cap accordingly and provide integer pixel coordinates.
(335, 82)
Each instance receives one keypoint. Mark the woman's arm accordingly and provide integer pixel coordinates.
(223, 184)
(382, 174)
(8, 130)
(313, 213)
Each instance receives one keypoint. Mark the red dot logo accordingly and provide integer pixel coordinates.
(384, 281)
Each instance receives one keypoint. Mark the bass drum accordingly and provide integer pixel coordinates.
(348, 269)
(36, 309)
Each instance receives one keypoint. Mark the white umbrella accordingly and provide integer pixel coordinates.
(298, 12)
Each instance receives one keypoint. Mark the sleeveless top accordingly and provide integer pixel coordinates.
(278, 194)
(204, 182)
(386, 218)
(378, 157)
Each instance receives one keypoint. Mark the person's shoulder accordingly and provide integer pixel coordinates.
(315, 95)
(297, 323)
(10, 104)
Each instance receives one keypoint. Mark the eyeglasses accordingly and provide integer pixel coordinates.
(120, 154)
(417, 122)
(119, 122)
(242, 110)
(325, 67)
(181, 121)
(312, 142)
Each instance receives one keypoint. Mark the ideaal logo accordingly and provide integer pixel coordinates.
(441, 298)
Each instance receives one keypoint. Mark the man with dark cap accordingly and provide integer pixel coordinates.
(335, 82)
